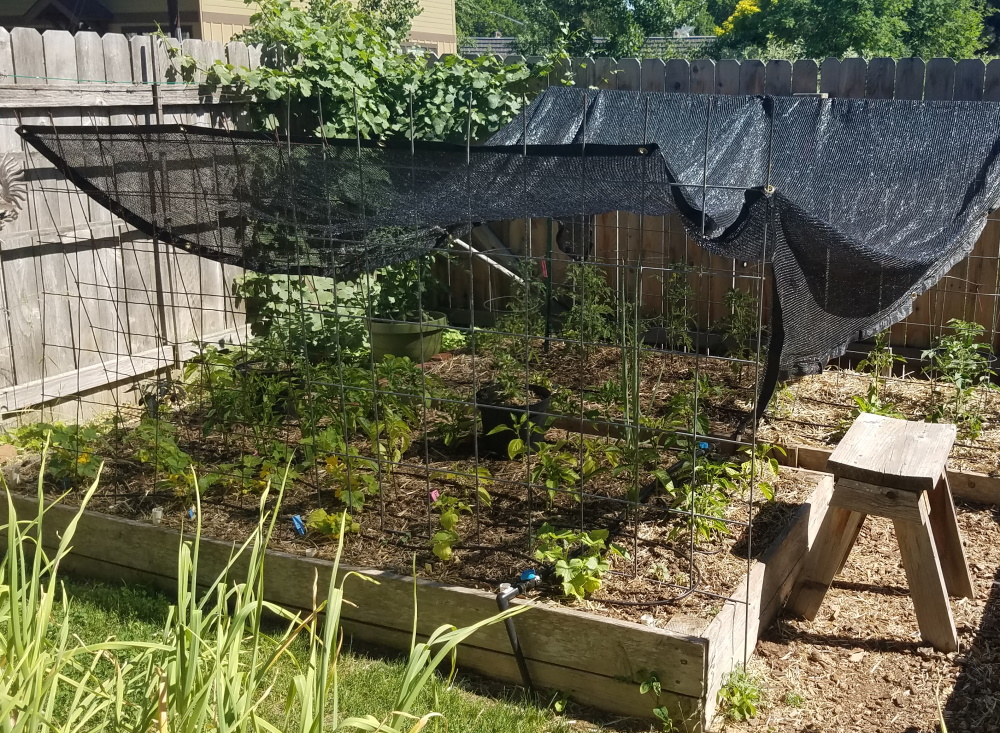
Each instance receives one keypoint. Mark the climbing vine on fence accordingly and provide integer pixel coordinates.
(327, 69)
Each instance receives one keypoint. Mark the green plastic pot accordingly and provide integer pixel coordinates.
(418, 341)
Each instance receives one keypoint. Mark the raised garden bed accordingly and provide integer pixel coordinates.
(598, 661)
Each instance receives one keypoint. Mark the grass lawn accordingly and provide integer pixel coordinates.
(368, 682)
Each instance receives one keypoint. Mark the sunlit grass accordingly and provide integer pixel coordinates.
(369, 684)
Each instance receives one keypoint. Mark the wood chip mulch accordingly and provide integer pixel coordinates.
(861, 666)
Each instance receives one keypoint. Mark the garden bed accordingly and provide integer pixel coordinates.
(597, 660)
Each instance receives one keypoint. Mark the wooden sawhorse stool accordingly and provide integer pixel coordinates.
(896, 469)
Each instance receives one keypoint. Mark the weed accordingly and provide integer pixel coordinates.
(75, 454)
(649, 683)
(740, 695)
(794, 699)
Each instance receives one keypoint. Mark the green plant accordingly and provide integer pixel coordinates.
(343, 72)
(214, 665)
(592, 305)
(962, 361)
(677, 318)
(579, 559)
(741, 324)
(331, 525)
(154, 442)
(553, 466)
(650, 684)
(75, 452)
(403, 290)
(450, 509)
(44, 665)
(758, 469)
(794, 699)
(740, 695)
(306, 315)
(512, 345)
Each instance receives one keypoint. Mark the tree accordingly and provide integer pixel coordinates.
(857, 27)
(624, 24)
(488, 17)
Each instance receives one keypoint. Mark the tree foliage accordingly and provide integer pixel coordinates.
(624, 23)
(489, 17)
(331, 70)
(856, 27)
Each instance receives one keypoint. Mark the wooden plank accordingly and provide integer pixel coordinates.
(757, 601)
(948, 541)
(853, 72)
(677, 76)
(549, 634)
(910, 78)
(881, 81)
(805, 77)
(238, 54)
(604, 72)
(703, 76)
(583, 71)
(865, 498)
(652, 75)
(6, 58)
(927, 589)
(629, 74)
(142, 60)
(991, 89)
(102, 95)
(940, 81)
(829, 77)
(752, 74)
(970, 78)
(834, 539)
(967, 485)
(107, 373)
(727, 77)
(897, 454)
(778, 78)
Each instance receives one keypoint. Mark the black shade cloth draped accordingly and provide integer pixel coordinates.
(861, 205)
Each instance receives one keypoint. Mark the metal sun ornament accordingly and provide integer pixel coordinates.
(13, 189)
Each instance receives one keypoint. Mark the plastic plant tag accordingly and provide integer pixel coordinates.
(435, 494)
(299, 525)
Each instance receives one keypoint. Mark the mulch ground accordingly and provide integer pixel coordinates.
(860, 666)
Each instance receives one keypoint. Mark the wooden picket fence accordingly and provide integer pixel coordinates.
(91, 305)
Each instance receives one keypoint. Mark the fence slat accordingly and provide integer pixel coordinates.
(752, 77)
(778, 78)
(829, 77)
(237, 53)
(652, 75)
(142, 66)
(583, 72)
(703, 76)
(910, 78)
(852, 78)
(940, 81)
(6, 58)
(881, 81)
(970, 76)
(677, 76)
(727, 76)
(604, 72)
(805, 77)
(991, 89)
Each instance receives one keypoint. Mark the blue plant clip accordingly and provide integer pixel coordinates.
(702, 445)
(527, 575)
(299, 525)
(191, 513)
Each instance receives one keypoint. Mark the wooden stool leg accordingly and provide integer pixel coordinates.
(927, 588)
(948, 540)
(833, 544)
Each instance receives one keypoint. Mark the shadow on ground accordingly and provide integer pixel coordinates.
(974, 705)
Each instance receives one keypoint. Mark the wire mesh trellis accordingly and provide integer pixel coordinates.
(589, 321)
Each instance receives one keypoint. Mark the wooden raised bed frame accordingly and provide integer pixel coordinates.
(596, 660)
